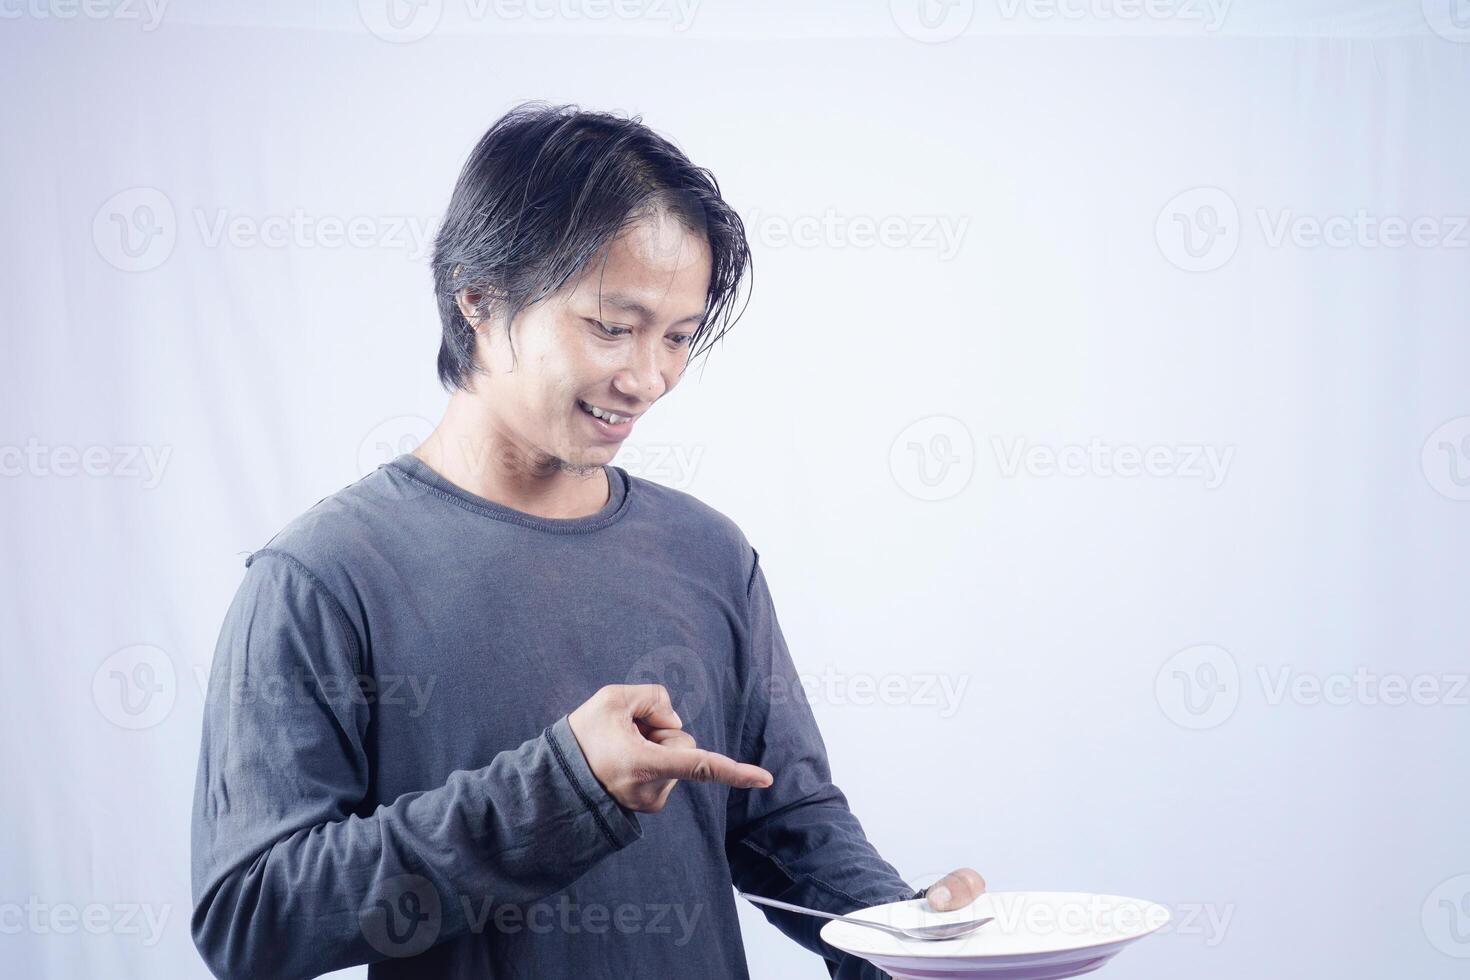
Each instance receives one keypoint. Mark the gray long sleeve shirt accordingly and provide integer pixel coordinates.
(387, 775)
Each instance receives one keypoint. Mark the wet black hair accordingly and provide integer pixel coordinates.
(544, 191)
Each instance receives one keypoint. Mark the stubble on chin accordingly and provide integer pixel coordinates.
(579, 470)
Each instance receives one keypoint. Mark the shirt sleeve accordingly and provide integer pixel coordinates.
(797, 840)
(294, 872)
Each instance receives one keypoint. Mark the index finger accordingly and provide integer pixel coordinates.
(702, 765)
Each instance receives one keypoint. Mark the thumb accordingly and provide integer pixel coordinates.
(650, 703)
(670, 736)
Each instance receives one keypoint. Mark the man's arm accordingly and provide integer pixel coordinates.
(294, 875)
(798, 841)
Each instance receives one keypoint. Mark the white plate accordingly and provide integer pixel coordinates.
(1034, 935)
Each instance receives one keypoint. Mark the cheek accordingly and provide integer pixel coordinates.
(596, 359)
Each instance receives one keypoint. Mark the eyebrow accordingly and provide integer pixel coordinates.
(633, 306)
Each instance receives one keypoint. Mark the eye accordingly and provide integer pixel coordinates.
(608, 331)
(680, 339)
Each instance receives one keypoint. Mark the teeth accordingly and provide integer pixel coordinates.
(610, 417)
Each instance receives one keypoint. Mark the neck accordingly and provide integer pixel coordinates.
(473, 450)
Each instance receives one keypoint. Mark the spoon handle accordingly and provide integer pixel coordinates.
(826, 915)
(789, 907)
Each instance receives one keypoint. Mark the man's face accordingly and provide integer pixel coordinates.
(617, 339)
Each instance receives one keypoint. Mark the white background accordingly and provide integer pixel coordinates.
(1117, 642)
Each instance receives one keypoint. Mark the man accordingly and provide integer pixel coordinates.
(438, 737)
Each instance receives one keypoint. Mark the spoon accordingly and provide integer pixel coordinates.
(946, 930)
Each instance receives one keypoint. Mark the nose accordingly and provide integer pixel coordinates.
(643, 376)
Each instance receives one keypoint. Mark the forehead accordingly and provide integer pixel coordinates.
(655, 263)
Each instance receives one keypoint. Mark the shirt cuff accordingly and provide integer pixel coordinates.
(619, 824)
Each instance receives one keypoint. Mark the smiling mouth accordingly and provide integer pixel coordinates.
(604, 415)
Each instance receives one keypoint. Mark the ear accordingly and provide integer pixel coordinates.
(466, 300)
